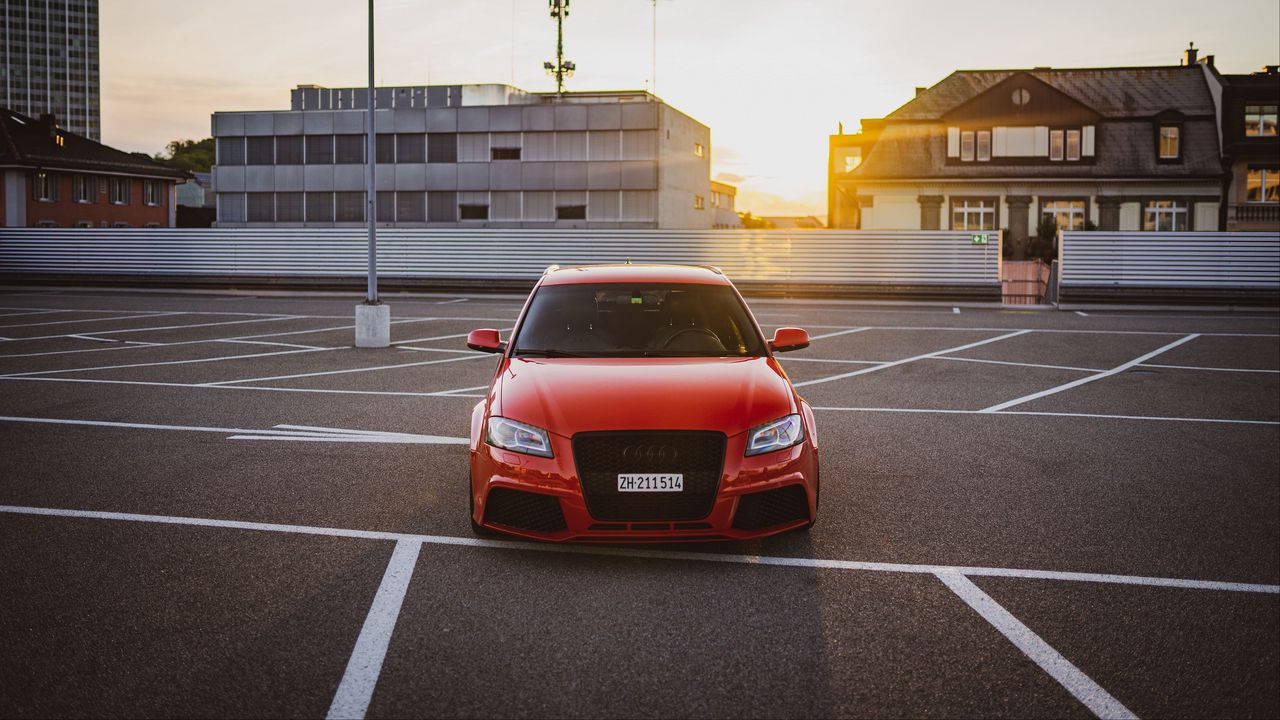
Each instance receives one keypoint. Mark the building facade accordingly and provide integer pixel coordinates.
(49, 50)
(724, 206)
(50, 177)
(1111, 148)
(465, 156)
(1251, 149)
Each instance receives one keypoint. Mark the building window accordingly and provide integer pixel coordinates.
(260, 151)
(289, 150)
(966, 145)
(699, 203)
(473, 211)
(261, 207)
(319, 207)
(571, 212)
(231, 151)
(411, 148)
(82, 187)
(442, 207)
(442, 147)
(848, 159)
(385, 149)
(1169, 142)
(505, 153)
(1055, 144)
(1260, 120)
(289, 207)
(1073, 144)
(984, 145)
(349, 207)
(44, 187)
(969, 214)
(411, 206)
(1068, 214)
(348, 149)
(1164, 216)
(119, 191)
(1263, 185)
(319, 149)
(152, 193)
(384, 206)
(698, 150)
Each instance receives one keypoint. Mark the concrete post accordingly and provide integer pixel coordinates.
(930, 212)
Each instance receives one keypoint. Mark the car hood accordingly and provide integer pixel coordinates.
(571, 395)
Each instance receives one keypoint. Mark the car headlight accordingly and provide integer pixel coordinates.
(518, 437)
(776, 435)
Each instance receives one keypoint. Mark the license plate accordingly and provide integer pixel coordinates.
(650, 482)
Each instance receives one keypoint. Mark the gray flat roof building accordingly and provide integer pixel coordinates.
(465, 156)
(50, 62)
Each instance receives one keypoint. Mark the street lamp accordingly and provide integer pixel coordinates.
(373, 319)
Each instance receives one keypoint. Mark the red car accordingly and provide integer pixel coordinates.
(641, 403)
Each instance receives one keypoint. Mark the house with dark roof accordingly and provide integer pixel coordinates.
(1113, 148)
(1251, 149)
(53, 178)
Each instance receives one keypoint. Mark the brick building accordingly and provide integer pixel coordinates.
(54, 178)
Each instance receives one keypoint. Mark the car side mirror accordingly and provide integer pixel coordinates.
(485, 340)
(788, 338)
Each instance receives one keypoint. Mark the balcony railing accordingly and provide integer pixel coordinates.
(1253, 213)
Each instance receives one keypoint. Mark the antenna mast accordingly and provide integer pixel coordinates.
(561, 68)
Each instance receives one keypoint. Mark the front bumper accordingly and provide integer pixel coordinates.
(788, 478)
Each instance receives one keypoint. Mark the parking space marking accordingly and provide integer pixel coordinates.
(1211, 369)
(465, 389)
(173, 327)
(440, 350)
(277, 344)
(73, 322)
(1016, 364)
(647, 554)
(1082, 687)
(279, 432)
(190, 386)
(344, 372)
(351, 701)
(443, 337)
(451, 302)
(837, 333)
(1033, 413)
(789, 359)
(32, 312)
(904, 361)
(1085, 380)
(167, 362)
(1082, 313)
(961, 328)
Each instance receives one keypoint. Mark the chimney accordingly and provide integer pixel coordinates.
(920, 91)
(1207, 60)
(1189, 56)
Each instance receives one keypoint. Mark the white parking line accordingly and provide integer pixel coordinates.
(171, 327)
(361, 676)
(1082, 314)
(443, 337)
(1081, 686)
(904, 361)
(73, 322)
(1084, 380)
(465, 389)
(791, 359)
(276, 344)
(1097, 416)
(165, 362)
(189, 386)
(32, 312)
(1017, 364)
(344, 372)
(837, 333)
(451, 302)
(1212, 369)
(440, 350)
(279, 432)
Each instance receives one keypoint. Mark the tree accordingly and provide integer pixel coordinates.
(751, 222)
(189, 155)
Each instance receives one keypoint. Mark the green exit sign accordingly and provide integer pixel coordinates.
(979, 239)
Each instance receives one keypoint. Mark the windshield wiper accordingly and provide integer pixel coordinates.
(546, 352)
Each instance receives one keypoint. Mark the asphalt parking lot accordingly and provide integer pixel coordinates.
(213, 505)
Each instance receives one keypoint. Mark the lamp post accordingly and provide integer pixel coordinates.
(373, 319)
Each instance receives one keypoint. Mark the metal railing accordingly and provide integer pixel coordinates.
(1231, 263)
(812, 257)
(1253, 213)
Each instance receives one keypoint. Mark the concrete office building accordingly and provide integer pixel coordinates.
(49, 53)
(465, 156)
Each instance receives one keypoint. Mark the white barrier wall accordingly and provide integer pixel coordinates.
(1186, 260)
(943, 258)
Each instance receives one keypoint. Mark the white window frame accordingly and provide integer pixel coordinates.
(699, 202)
(44, 187)
(82, 188)
(1262, 113)
(1174, 134)
(1057, 145)
(967, 142)
(1267, 178)
(1070, 208)
(1073, 145)
(1160, 211)
(151, 194)
(120, 191)
(983, 146)
(968, 209)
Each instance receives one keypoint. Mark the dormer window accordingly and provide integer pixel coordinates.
(1170, 142)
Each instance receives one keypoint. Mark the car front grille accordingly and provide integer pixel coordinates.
(601, 456)
(760, 510)
(524, 511)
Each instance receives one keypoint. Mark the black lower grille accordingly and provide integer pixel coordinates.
(524, 511)
(771, 507)
(602, 456)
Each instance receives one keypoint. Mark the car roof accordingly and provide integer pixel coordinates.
(640, 273)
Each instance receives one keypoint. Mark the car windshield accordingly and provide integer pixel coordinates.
(637, 320)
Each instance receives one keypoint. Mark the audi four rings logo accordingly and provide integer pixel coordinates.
(649, 453)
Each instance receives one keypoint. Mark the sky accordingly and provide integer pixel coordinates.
(771, 79)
